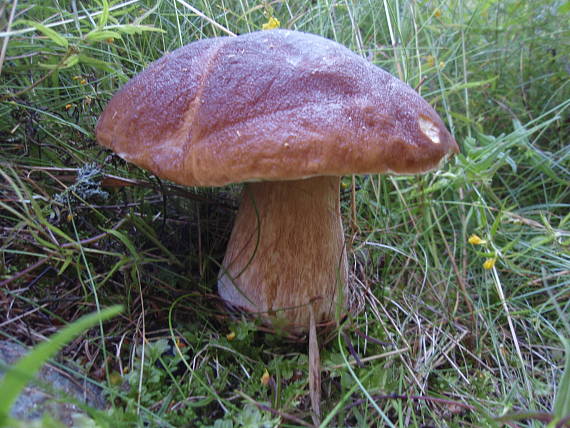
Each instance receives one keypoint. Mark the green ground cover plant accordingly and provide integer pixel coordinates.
(461, 277)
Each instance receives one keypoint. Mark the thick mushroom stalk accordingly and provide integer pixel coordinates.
(286, 252)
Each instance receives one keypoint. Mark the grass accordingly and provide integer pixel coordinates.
(451, 333)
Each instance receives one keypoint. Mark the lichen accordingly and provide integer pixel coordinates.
(87, 186)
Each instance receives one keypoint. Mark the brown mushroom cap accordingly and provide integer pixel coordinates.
(271, 105)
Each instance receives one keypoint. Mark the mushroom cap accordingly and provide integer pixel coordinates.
(271, 105)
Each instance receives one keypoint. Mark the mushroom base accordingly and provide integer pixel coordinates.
(286, 252)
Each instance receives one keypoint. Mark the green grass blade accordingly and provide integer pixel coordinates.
(23, 371)
(562, 403)
(48, 32)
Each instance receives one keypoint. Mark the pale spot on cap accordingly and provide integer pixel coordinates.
(429, 129)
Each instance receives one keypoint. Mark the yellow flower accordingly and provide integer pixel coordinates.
(489, 263)
(475, 240)
(115, 378)
(83, 82)
(437, 13)
(265, 378)
(271, 24)
(231, 335)
(68, 106)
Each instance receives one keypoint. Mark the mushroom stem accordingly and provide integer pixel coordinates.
(287, 251)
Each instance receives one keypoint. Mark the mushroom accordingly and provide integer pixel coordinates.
(287, 113)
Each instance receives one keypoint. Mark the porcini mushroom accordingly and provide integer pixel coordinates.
(288, 113)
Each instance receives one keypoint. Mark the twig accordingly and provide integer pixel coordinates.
(415, 398)
(368, 359)
(25, 271)
(545, 278)
(210, 20)
(9, 95)
(314, 368)
(371, 339)
(93, 238)
(25, 314)
(67, 245)
(5, 44)
(422, 81)
(351, 349)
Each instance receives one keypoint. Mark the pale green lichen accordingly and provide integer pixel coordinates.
(86, 186)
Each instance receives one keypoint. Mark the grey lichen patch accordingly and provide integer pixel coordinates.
(429, 129)
(87, 186)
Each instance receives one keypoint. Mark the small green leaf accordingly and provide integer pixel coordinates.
(66, 264)
(98, 35)
(136, 29)
(561, 407)
(126, 242)
(69, 62)
(96, 63)
(104, 17)
(48, 32)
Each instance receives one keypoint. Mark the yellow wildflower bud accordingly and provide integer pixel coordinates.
(83, 82)
(271, 24)
(231, 335)
(68, 106)
(489, 263)
(441, 64)
(475, 240)
(265, 378)
(115, 378)
(437, 13)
